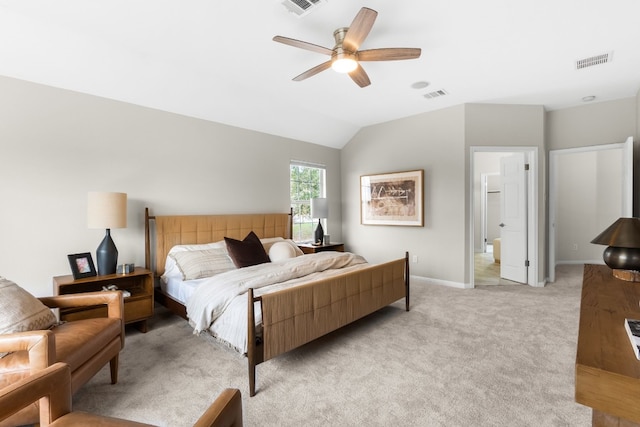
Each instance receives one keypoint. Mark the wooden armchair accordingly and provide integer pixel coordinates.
(85, 345)
(52, 386)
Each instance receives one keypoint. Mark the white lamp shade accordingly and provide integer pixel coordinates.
(319, 207)
(106, 210)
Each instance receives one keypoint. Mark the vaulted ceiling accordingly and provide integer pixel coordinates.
(216, 60)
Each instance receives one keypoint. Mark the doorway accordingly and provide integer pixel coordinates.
(489, 210)
(589, 188)
(486, 194)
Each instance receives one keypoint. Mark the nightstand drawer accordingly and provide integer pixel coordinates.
(138, 308)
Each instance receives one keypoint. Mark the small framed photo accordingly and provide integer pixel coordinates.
(82, 265)
(393, 198)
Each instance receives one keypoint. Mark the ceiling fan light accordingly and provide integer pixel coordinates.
(344, 64)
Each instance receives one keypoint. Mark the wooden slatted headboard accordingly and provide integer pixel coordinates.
(171, 230)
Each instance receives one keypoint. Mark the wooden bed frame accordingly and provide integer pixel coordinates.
(290, 317)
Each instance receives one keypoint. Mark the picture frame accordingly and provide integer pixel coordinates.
(82, 265)
(394, 198)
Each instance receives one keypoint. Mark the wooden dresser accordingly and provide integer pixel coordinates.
(607, 371)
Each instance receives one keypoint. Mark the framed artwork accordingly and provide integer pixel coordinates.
(82, 265)
(392, 198)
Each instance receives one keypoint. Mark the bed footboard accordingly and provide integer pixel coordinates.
(295, 316)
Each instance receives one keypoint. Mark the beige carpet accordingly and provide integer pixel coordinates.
(489, 356)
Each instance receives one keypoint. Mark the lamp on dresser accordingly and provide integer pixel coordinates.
(623, 252)
(319, 209)
(107, 210)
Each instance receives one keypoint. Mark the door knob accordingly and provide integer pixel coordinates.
(501, 224)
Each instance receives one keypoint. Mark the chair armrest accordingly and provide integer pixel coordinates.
(53, 382)
(113, 300)
(40, 344)
(225, 411)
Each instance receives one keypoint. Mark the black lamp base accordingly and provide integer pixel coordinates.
(107, 255)
(319, 235)
(622, 258)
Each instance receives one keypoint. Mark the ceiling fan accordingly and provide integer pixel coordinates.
(345, 56)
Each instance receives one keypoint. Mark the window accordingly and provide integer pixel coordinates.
(307, 181)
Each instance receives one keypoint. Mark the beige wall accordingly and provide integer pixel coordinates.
(589, 199)
(588, 125)
(438, 142)
(636, 161)
(637, 116)
(433, 142)
(510, 126)
(592, 124)
(57, 145)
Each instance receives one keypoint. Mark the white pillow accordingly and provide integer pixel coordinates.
(203, 263)
(21, 311)
(296, 248)
(170, 267)
(280, 251)
(267, 242)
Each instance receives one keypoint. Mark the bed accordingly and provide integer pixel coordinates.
(284, 308)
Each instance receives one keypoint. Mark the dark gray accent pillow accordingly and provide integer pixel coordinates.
(246, 252)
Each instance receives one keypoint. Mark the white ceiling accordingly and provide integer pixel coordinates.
(216, 60)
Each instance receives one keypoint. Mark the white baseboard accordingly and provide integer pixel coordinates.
(569, 262)
(430, 281)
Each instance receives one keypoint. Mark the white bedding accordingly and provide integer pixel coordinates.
(178, 289)
(219, 304)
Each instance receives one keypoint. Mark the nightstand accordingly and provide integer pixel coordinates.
(308, 248)
(137, 308)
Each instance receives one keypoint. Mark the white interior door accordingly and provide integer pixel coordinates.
(513, 216)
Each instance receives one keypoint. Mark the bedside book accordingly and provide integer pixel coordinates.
(633, 331)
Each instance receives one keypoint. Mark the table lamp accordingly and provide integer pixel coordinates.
(319, 209)
(623, 252)
(107, 210)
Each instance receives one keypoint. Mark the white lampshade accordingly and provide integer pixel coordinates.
(319, 207)
(107, 210)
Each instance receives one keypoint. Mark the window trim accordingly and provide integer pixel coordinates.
(322, 188)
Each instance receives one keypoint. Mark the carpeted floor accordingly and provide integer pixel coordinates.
(489, 356)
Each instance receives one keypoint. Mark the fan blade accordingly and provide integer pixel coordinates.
(360, 77)
(313, 71)
(389, 54)
(359, 29)
(303, 45)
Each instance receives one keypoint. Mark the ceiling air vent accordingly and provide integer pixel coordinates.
(594, 60)
(435, 94)
(302, 7)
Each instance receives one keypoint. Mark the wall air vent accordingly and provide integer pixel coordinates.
(435, 94)
(302, 7)
(594, 60)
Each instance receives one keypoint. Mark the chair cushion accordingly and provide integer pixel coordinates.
(78, 341)
(79, 418)
(20, 311)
